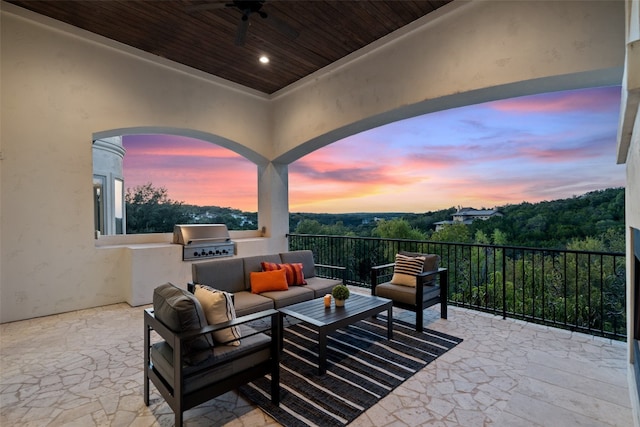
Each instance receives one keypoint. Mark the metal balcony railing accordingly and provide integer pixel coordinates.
(576, 290)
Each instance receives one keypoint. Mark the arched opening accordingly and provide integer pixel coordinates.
(147, 180)
(529, 148)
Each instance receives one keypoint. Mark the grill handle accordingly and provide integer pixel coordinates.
(209, 239)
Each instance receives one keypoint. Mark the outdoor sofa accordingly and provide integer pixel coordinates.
(234, 275)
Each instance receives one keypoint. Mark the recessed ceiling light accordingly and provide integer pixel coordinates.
(264, 59)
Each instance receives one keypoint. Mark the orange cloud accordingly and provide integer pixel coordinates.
(193, 171)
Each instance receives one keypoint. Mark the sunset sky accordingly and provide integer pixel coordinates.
(534, 148)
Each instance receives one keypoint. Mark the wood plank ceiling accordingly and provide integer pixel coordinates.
(299, 37)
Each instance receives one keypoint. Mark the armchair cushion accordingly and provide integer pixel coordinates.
(226, 362)
(218, 308)
(405, 294)
(406, 270)
(180, 311)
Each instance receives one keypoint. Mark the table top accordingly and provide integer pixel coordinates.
(315, 313)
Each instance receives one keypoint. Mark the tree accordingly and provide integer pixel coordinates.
(499, 238)
(611, 240)
(311, 226)
(481, 238)
(587, 244)
(149, 210)
(455, 233)
(397, 229)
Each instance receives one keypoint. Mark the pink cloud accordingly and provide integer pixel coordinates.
(193, 171)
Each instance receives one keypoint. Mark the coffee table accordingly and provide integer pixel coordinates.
(328, 319)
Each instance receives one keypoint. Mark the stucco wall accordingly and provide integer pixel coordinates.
(60, 90)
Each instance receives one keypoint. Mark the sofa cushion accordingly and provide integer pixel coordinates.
(305, 257)
(180, 311)
(406, 270)
(264, 281)
(247, 303)
(218, 308)
(254, 263)
(223, 274)
(321, 286)
(295, 276)
(294, 295)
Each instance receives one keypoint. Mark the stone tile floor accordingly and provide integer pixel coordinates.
(85, 369)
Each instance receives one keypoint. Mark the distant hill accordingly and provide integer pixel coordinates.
(549, 224)
(592, 221)
(557, 222)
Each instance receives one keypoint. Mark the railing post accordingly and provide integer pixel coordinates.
(504, 284)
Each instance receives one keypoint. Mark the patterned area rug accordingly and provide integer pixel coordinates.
(362, 368)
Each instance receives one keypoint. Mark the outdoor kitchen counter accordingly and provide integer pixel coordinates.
(143, 266)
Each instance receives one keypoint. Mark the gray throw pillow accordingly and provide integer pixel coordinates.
(180, 311)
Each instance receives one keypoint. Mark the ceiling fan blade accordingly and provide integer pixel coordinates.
(206, 6)
(241, 35)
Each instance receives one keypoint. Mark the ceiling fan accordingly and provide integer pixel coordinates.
(248, 8)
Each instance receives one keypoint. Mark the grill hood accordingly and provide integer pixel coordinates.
(203, 241)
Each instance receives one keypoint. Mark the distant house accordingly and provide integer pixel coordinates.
(467, 216)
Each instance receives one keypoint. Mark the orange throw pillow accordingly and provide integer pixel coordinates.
(295, 276)
(264, 281)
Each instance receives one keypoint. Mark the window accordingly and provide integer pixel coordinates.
(98, 203)
(171, 179)
(118, 205)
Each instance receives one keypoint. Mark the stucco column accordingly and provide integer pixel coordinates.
(273, 204)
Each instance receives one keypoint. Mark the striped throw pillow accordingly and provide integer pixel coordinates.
(293, 271)
(406, 270)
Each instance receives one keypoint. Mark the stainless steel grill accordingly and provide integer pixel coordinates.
(202, 241)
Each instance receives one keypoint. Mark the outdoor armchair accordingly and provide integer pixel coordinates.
(186, 365)
(425, 288)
